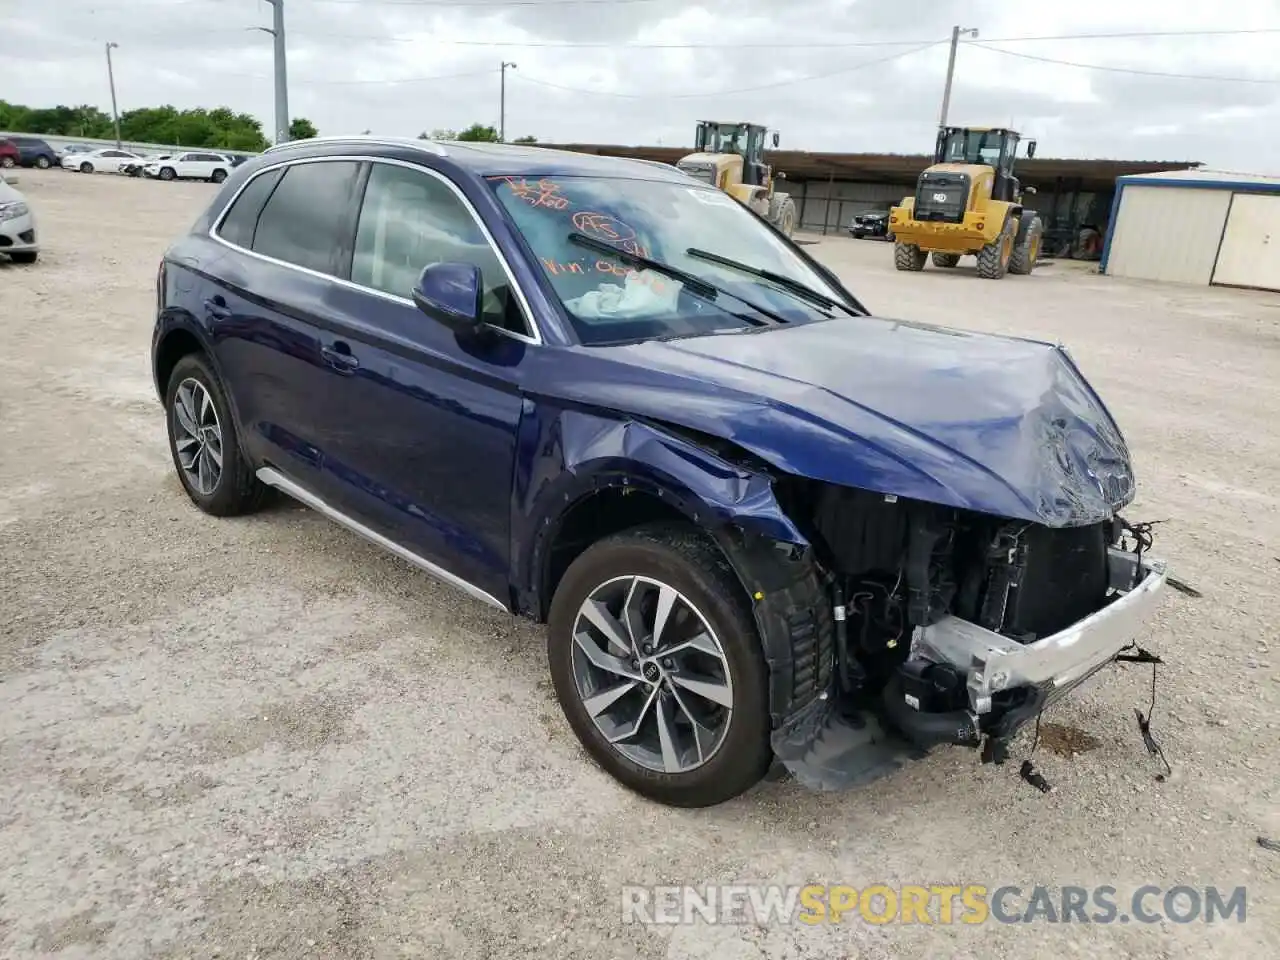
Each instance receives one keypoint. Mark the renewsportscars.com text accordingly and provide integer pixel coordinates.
(933, 904)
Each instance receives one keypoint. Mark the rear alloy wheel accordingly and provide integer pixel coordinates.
(204, 444)
(946, 259)
(7, 162)
(907, 256)
(218, 176)
(167, 173)
(43, 163)
(657, 665)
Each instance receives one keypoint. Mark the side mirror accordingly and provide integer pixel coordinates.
(451, 293)
(1031, 149)
(776, 138)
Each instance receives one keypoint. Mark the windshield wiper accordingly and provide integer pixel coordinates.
(793, 286)
(692, 282)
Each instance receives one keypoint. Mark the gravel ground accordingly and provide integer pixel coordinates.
(263, 737)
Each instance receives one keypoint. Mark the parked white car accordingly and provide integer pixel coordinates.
(107, 160)
(190, 166)
(17, 226)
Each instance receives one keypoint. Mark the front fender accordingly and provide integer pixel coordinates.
(568, 454)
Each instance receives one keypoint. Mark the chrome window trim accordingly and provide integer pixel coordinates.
(530, 320)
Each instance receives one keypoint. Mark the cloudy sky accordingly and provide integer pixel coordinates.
(850, 75)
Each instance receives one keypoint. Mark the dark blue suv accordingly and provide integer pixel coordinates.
(762, 526)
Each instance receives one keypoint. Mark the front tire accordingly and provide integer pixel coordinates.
(1027, 250)
(86, 167)
(8, 163)
(43, 163)
(218, 176)
(658, 668)
(993, 259)
(204, 443)
(907, 256)
(167, 173)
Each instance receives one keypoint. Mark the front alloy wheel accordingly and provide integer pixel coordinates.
(658, 666)
(651, 674)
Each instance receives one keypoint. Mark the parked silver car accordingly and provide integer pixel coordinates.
(17, 226)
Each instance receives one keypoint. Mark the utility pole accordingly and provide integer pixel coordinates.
(111, 79)
(282, 75)
(951, 69)
(502, 103)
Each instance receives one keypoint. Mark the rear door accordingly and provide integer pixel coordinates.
(288, 234)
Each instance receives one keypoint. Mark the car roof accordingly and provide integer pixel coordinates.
(495, 159)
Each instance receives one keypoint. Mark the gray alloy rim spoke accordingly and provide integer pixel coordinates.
(666, 703)
(197, 436)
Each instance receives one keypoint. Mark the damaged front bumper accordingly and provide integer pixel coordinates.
(1007, 684)
(1057, 663)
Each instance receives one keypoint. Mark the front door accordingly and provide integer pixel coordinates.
(423, 445)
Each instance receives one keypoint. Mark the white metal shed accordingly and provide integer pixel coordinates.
(1196, 226)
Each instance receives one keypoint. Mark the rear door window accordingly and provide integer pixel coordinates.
(307, 220)
(241, 221)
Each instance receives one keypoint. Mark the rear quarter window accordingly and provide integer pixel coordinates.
(241, 221)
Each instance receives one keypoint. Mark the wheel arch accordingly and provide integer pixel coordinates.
(638, 472)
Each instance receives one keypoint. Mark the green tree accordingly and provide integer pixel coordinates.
(220, 127)
(302, 129)
(478, 132)
(525, 139)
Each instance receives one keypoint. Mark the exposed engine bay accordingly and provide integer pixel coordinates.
(957, 627)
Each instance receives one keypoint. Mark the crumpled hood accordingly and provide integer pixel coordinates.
(995, 424)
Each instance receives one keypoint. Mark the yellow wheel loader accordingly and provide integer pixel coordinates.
(731, 156)
(969, 203)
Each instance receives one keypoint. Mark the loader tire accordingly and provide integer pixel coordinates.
(907, 256)
(993, 259)
(1027, 250)
(946, 259)
(782, 214)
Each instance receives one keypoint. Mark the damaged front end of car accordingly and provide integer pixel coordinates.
(953, 627)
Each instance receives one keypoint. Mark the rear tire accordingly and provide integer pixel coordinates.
(907, 256)
(8, 163)
(946, 259)
(709, 603)
(227, 485)
(993, 259)
(43, 163)
(1027, 251)
(218, 176)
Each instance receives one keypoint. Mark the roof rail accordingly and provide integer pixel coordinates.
(428, 145)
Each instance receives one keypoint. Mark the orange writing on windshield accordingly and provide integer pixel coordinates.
(543, 193)
(601, 226)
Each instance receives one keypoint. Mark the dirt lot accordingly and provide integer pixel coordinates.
(264, 738)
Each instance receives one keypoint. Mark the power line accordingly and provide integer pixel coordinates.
(388, 82)
(771, 44)
(481, 4)
(1129, 70)
(650, 95)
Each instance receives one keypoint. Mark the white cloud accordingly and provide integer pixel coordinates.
(343, 55)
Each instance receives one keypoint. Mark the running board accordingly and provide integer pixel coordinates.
(273, 478)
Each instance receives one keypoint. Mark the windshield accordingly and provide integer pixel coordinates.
(609, 301)
(974, 147)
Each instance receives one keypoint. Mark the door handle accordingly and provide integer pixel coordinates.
(217, 308)
(338, 355)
